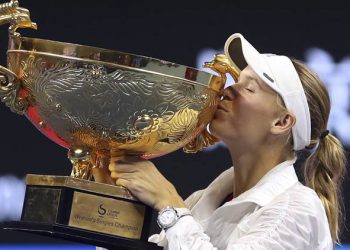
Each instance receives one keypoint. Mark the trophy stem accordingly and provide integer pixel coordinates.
(90, 164)
(82, 170)
(80, 157)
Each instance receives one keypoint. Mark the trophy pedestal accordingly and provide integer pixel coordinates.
(84, 212)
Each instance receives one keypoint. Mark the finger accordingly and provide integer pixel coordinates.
(117, 158)
(112, 166)
(123, 167)
(115, 175)
(122, 182)
(102, 175)
(126, 176)
(127, 159)
(98, 175)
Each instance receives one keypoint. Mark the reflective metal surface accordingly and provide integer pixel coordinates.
(107, 102)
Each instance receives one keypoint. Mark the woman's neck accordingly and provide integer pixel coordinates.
(252, 165)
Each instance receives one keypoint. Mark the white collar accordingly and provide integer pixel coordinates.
(272, 184)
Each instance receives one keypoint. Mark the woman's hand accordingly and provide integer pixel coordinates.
(145, 182)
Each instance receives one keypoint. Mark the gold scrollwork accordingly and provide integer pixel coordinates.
(9, 92)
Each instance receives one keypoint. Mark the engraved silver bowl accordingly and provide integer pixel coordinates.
(100, 103)
(108, 101)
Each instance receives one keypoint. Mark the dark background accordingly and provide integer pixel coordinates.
(171, 31)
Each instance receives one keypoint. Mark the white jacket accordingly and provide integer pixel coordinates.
(277, 213)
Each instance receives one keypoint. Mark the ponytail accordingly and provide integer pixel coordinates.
(324, 169)
(324, 173)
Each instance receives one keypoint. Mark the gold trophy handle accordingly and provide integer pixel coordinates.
(221, 65)
(10, 84)
(16, 16)
(9, 91)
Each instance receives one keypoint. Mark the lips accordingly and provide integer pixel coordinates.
(221, 107)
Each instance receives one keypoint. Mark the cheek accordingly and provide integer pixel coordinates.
(248, 117)
(262, 117)
(252, 116)
(227, 124)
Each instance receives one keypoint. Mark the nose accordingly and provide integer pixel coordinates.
(230, 93)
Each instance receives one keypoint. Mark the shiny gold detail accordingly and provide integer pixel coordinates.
(74, 183)
(58, 107)
(80, 157)
(203, 98)
(202, 141)
(42, 124)
(16, 16)
(3, 80)
(82, 170)
(143, 122)
(107, 215)
(221, 65)
(9, 91)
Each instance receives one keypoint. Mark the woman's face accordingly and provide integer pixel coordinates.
(247, 111)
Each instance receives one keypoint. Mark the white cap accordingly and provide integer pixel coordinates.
(279, 73)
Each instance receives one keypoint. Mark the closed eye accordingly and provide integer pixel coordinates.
(250, 90)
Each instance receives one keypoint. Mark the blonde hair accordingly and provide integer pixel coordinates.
(324, 169)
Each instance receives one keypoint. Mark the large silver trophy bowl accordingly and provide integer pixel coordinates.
(101, 103)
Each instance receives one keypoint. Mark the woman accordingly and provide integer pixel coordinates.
(276, 109)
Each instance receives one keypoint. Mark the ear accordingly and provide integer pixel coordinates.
(283, 123)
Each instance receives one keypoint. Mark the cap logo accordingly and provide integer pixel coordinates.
(268, 77)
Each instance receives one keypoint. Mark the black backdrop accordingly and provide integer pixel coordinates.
(175, 32)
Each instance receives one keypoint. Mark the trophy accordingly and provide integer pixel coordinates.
(98, 104)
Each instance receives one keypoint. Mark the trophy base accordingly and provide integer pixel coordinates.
(85, 212)
(79, 235)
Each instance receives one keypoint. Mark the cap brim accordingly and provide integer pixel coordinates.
(241, 53)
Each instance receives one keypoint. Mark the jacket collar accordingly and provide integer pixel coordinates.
(272, 184)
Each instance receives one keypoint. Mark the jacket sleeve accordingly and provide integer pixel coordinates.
(274, 228)
(185, 234)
